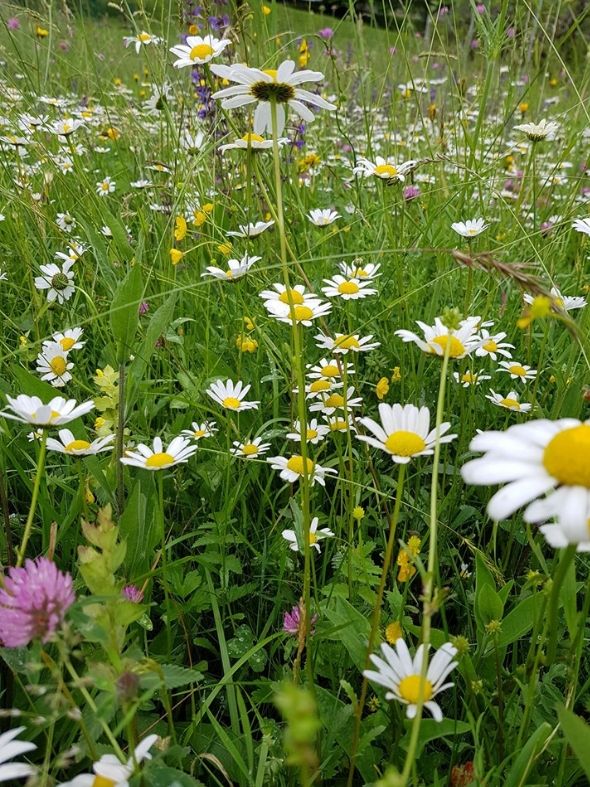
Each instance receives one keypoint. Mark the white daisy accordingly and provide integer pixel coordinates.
(11, 747)
(293, 468)
(329, 403)
(235, 269)
(343, 343)
(404, 432)
(293, 295)
(141, 39)
(110, 771)
(251, 230)
(68, 340)
(560, 301)
(231, 395)
(347, 289)
(510, 402)
(338, 423)
(329, 369)
(518, 371)
(402, 676)
(539, 131)
(198, 50)
(317, 388)
(315, 432)
(385, 169)
(180, 450)
(252, 142)
(464, 340)
(357, 270)
(315, 536)
(63, 128)
(58, 411)
(58, 281)
(302, 314)
(105, 186)
(68, 444)
(493, 345)
(198, 431)
(470, 228)
(250, 449)
(53, 365)
(469, 378)
(582, 225)
(322, 218)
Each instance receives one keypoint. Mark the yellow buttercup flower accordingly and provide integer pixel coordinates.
(393, 632)
(382, 388)
(41, 32)
(175, 256)
(180, 228)
(246, 344)
(266, 10)
(396, 374)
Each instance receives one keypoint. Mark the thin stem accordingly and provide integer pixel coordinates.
(160, 484)
(36, 486)
(119, 443)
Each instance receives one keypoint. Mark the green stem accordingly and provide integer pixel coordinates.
(160, 484)
(36, 486)
(119, 443)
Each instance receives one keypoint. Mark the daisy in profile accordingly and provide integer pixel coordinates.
(470, 228)
(518, 371)
(252, 142)
(338, 423)
(343, 343)
(57, 280)
(251, 230)
(469, 378)
(231, 395)
(493, 346)
(261, 87)
(315, 536)
(68, 444)
(235, 269)
(347, 289)
(463, 340)
(295, 295)
(199, 431)
(11, 747)
(198, 50)
(179, 451)
(533, 460)
(294, 468)
(58, 411)
(141, 39)
(63, 128)
(582, 225)
(358, 270)
(560, 301)
(404, 432)
(322, 218)
(537, 132)
(317, 388)
(53, 365)
(68, 340)
(384, 169)
(315, 432)
(329, 369)
(509, 402)
(301, 313)
(402, 676)
(251, 449)
(109, 771)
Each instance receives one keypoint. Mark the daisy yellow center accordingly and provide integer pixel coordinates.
(313, 539)
(403, 443)
(348, 288)
(490, 346)
(456, 349)
(199, 433)
(201, 51)
(250, 449)
(231, 402)
(334, 400)
(295, 465)
(58, 365)
(468, 378)
(319, 385)
(338, 426)
(144, 37)
(471, 231)
(55, 414)
(77, 445)
(413, 688)
(347, 343)
(67, 343)
(302, 313)
(249, 138)
(386, 169)
(331, 370)
(518, 370)
(311, 434)
(566, 456)
(279, 92)
(102, 781)
(291, 296)
(161, 459)
(361, 273)
(512, 403)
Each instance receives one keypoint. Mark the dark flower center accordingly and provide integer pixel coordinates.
(280, 92)
(60, 281)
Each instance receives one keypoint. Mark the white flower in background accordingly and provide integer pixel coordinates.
(68, 444)
(231, 395)
(402, 676)
(252, 142)
(142, 183)
(343, 343)
(294, 468)
(261, 87)
(330, 402)
(322, 218)
(58, 411)
(294, 295)
(251, 230)
(357, 270)
(58, 281)
(347, 289)
(329, 369)
(157, 458)
(68, 340)
(463, 341)
(235, 269)
(337, 423)
(190, 142)
(536, 132)
(317, 388)
(385, 169)
(302, 314)
(53, 365)
(105, 186)
(141, 39)
(404, 432)
(315, 536)
(198, 50)
(582, 225)
(66, 222)
(250, 449)
(110, 772)
(560, 301)
(469, 378)
(518, 371)
(493, 345)
(11, 747)
(314, 433)
(63, 128)
(509, 402)
(199, 431)
(470, 228)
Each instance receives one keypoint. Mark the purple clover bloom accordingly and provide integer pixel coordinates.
(132, 593)
(292, 621)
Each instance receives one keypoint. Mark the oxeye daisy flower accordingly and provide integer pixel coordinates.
(141, 39)
(343, 343)
(470, 228)
(318, 388)
(198, 50)
(315, 432)
(53, 365)
(536, 132)
(518, 371)
(402, 676)
(261, 87)
(287, 295)
(68, 340)
(509, 402)
(493, 345)
(109, 771)
(199, 431)
(533, 459)
(322, 217)
(179, 451)
(358, 270)
(235, 269)
(231, 395)
(251, 230)
(66, 222)
(253, 142)
(329, 369)
(469, 378)
(301, 313)
(63, 128)
(463, 341)
(337, 423)
(11, 747)
(330, 402)
(347, 289)
(566, 530)
(560, 301)
(404, 432)
(294, 468)
(57, 280)
(58, 411)
(315, 536)
(250, 449)
(384, 169)
(105, 186)
(582, 225)
(68, 444)
(33, 602)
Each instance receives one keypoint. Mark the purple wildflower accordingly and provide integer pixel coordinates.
(326, 33)
(132, 593)
(144, 308)
(33, 602)
(411, 192)
(13, 23)
(292, 620)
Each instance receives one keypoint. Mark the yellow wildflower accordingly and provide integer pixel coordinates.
(175, 256)
(382, 388)
(180, 228)
(393, 632)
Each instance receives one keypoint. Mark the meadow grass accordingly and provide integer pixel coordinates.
(209, 610)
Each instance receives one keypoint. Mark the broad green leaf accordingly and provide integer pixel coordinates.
(158, 775)
(577, 734)
(351, 628)
(519, 620)
(172, 677)
(124, 313)
(431, 730)
(517, 776)
(156, 327)
(489, 604)
(485, 602)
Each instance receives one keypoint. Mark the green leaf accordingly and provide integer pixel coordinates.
(489, 604)
(124, 313)
(567, 595)
(431, 730)
(162, 776)
(171, 676)
(577, 734)
(519, 620)
(158, 323)
(517, 777)
(351, 628)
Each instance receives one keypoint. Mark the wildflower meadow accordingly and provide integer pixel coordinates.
(294, 393)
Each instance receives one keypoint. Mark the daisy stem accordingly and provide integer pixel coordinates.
(428, 608)
(36, 486)
(376, 617)
(567, 558)
(119, 440)
(160, 483)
